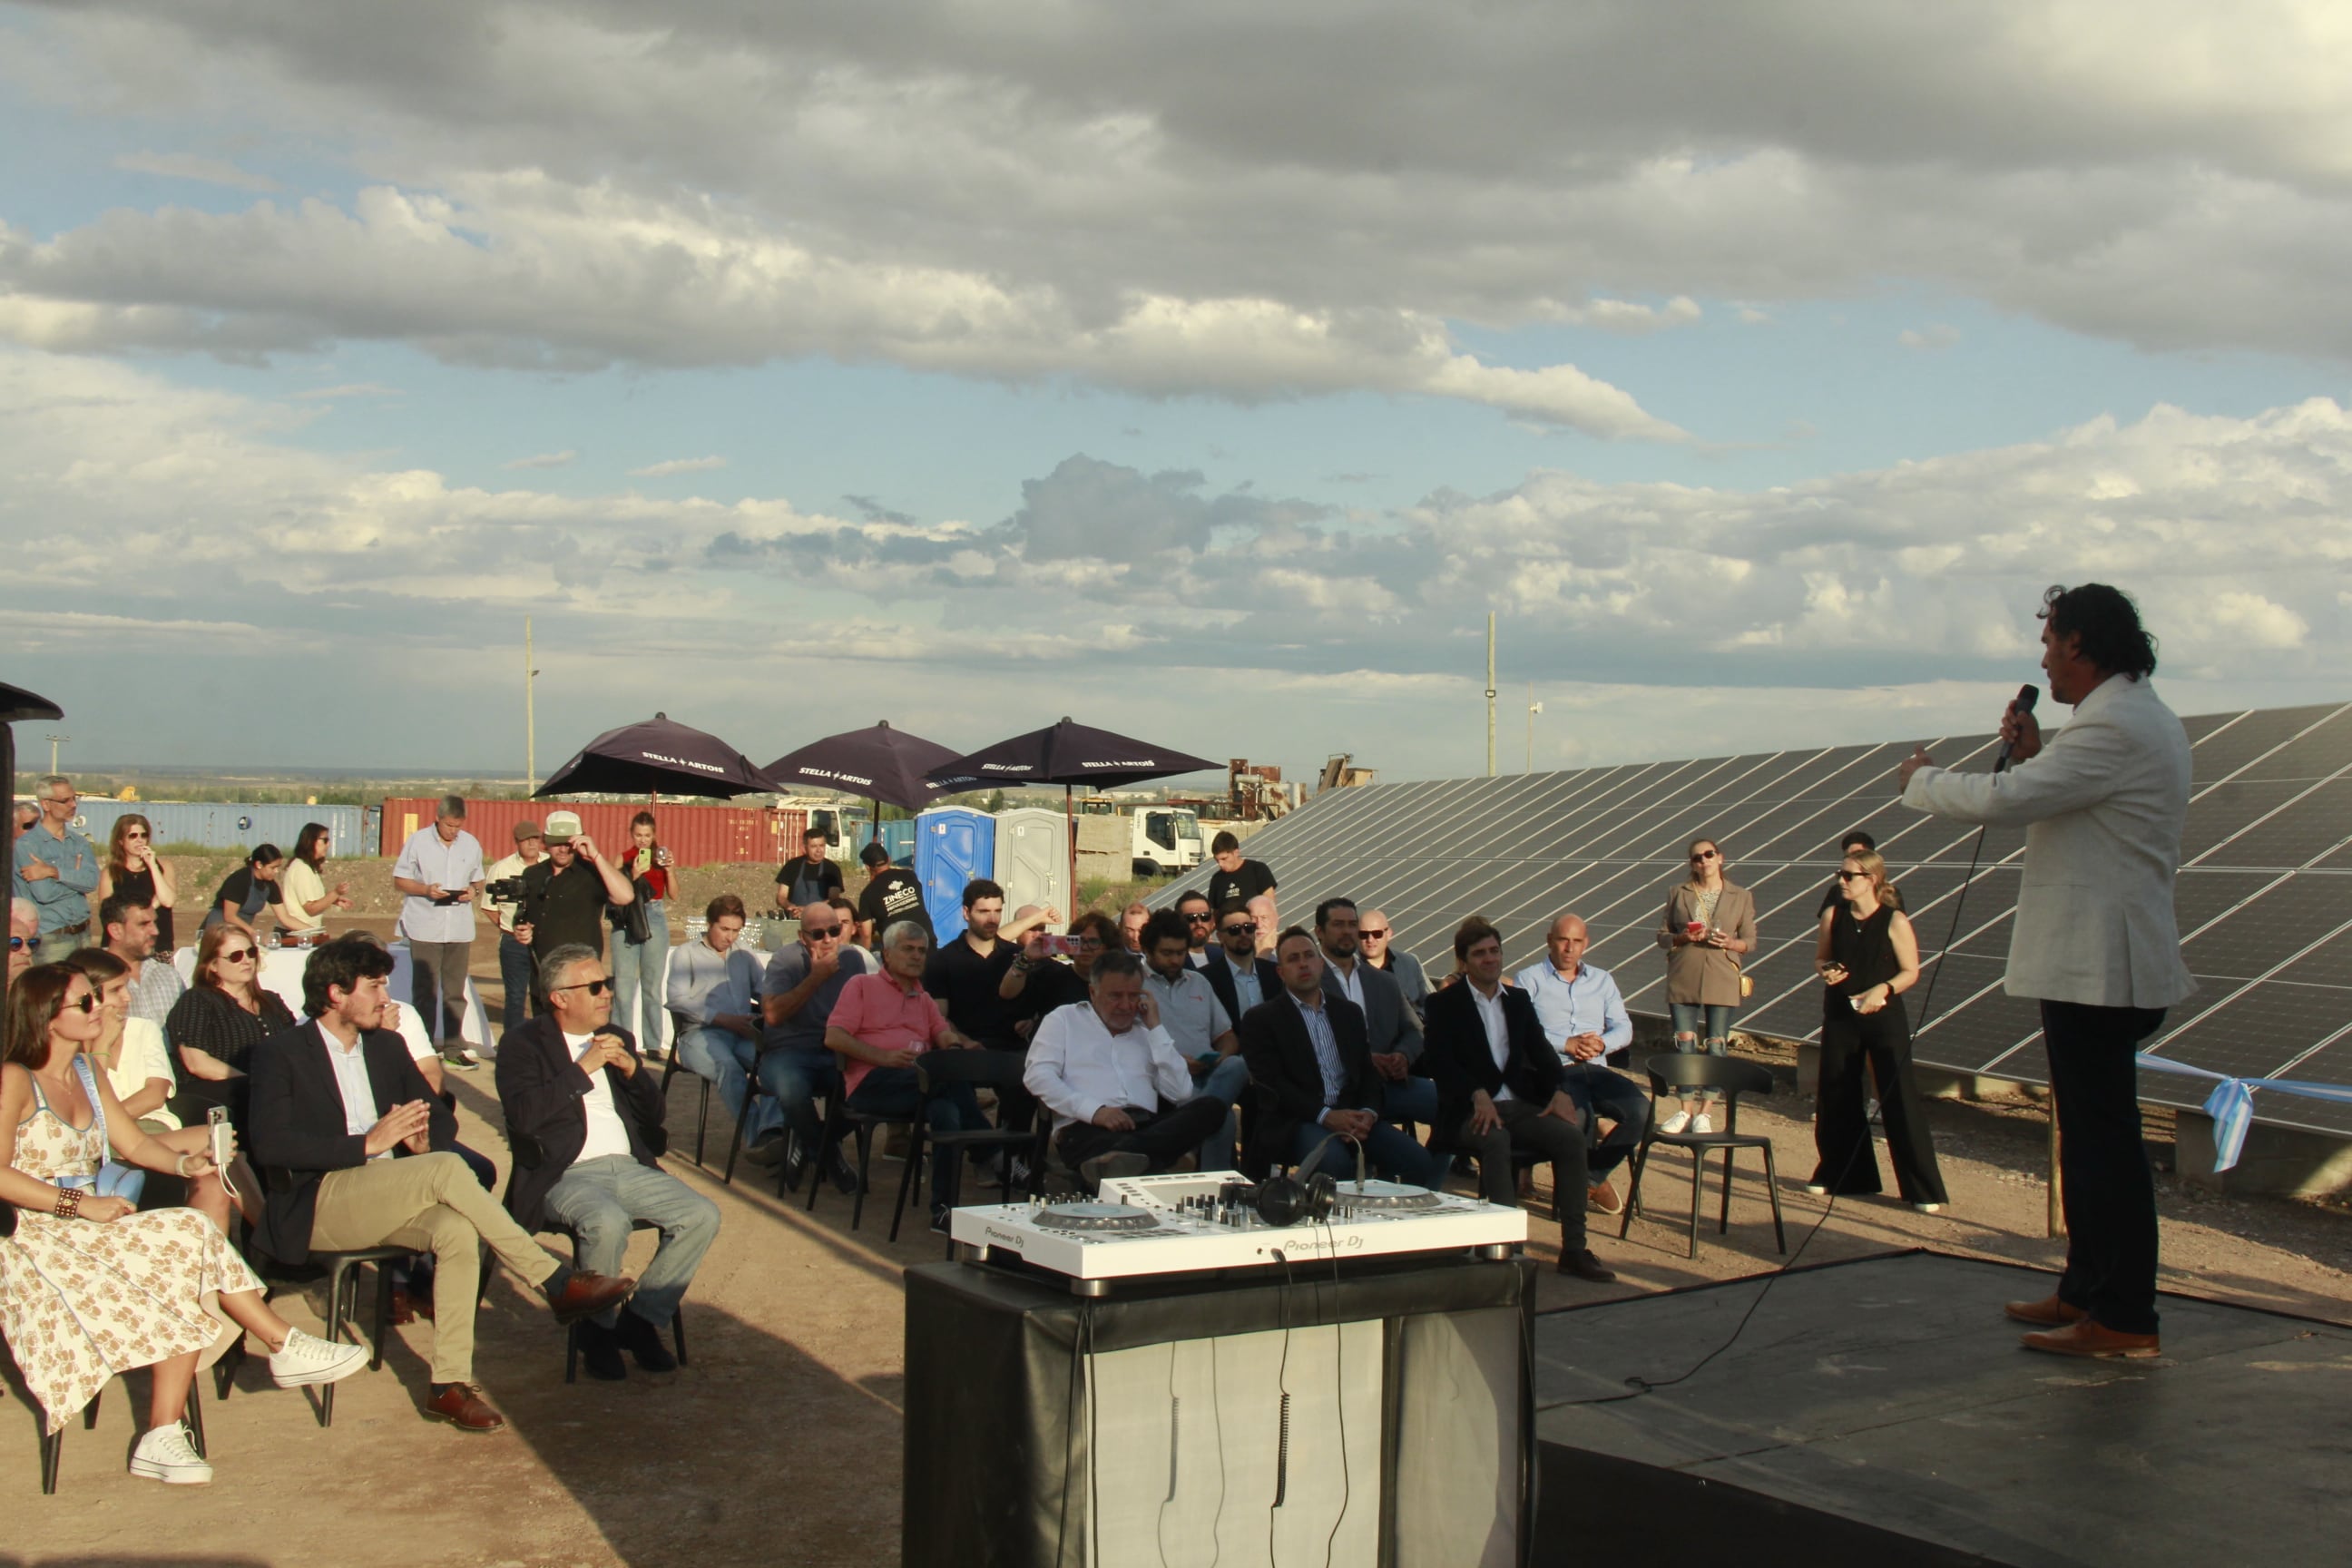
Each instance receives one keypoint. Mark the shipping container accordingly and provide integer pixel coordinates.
(695, 835)
(954, 845)
(1032, 859)
(898, 838)
(231, 826)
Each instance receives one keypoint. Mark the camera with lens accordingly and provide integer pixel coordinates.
(505, 891)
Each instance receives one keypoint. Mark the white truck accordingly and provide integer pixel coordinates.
(1163, 840)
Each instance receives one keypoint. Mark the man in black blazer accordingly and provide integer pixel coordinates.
(586, 1120)
(1499, 1088)
(355, 1151)
(1234, 954)
(1313, 1076)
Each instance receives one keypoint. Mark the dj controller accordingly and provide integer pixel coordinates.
(1193, 1223)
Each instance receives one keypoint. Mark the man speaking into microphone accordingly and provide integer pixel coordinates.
(2094, 940)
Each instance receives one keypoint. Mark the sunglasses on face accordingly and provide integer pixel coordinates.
(819, 933)
(1199, 920)
(593, 987)
(85, 1002)
(19, 943)
(1240, 931)
(1854, 875)
(1702, 854)
(136, 833)
(1369, 931)
(239, 956)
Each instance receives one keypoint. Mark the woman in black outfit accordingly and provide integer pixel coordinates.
(133, 871)
(217, 1021)
(1868, 957)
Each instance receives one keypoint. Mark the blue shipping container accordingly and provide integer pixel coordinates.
(897, 837)
(953, 844)
(230, 825)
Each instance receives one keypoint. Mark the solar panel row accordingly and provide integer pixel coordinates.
(2265, 898)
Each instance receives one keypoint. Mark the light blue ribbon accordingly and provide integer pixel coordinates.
(2231, 1103)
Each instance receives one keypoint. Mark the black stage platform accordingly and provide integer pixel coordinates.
(1881, 1410)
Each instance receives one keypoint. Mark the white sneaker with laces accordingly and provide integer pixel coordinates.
(1702, 1125)
(1675, 1124)
(307, 1359)
(1817, 1189)
(165, 1454)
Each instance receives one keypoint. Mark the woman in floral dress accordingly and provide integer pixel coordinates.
(89, 1288)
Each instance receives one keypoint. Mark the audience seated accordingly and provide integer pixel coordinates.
(1199, 1025)
(1585, 1021)
(1317, 1089)
(880, 1025)
(714, 990)
(1120, 1088)
(89, 1288)
(24, 935)
(1378, 938)
(797, 994)
(132, 930)
(1239, 974)
(585, 1117)
(356, 1152)
(1392, 1030)
(1499, 1089)
(214, 1027)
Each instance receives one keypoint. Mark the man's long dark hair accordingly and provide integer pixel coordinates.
(2107, 622)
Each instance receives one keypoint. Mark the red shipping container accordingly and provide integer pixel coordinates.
(695, 835)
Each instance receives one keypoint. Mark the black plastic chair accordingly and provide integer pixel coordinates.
(1679, 1076)
(678, 1024)
(840, 1123)
(53, 1443)
(999, 1070)
(530, 1154)
(343, 1304)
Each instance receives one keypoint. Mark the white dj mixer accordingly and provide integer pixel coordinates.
(1179, 1224)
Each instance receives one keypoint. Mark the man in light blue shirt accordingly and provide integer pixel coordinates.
(440, 873)
(1584, 1018)
(56, 870)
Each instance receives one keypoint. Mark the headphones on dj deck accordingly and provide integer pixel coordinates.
(1284, 1199)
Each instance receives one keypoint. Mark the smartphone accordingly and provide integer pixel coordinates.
(223, 1141)
(1058, 946)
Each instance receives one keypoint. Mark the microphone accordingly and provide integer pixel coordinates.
(2027, 696)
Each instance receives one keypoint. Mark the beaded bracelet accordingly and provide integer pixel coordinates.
(69, 1204)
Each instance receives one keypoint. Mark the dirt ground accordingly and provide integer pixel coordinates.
(779, 1443)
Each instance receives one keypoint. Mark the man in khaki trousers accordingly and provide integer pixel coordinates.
(357, 1151)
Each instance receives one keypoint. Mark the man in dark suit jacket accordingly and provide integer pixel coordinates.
(1313, 1076)
(585, 1118)
(356, 1151)
(1393, 1027)
(1499, 1088)
(1235, 953)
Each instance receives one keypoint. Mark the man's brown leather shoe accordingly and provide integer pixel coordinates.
(461, 1404)
(2052, 1313)
(1604, 1198)
(2089, 1339)
(585, 1295)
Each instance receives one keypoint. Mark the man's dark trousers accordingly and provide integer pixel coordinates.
(2110, 1189)
(1599, 1089)
(1162, 1138)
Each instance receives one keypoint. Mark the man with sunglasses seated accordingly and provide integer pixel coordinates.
(356, 1152)
(1200, 918)
(1235, 971)
(585, 1117)
(797, 993)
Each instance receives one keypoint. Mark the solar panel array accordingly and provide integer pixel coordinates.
(2264, 896)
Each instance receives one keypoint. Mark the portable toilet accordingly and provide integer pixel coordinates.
(953, 844)
(1032, 859)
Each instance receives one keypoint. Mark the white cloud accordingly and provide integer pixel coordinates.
(1928, 339)
(663, 469)
(351, 389)
(188, 166)
(563, 460)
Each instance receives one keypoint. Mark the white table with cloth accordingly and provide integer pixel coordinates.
(281, 971)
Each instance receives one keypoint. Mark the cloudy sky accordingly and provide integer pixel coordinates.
(1207, 371)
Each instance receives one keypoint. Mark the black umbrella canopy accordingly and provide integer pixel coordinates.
(879, 762)
(1068, 754)
(658, 756)
(16, 703)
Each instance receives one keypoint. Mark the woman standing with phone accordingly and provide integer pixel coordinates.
(1709, 924)
(1867, 956)
(641, 967)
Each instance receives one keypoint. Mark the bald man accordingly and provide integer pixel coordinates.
(1374, 934)
(1584, 1018)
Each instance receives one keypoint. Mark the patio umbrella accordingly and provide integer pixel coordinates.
(658, 756)
(18, 704)
(1068, 754)
(879, 762)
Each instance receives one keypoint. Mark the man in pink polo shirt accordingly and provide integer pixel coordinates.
(879, 1025)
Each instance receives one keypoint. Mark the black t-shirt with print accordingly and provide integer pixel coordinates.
(894, 895)
(1245, 884)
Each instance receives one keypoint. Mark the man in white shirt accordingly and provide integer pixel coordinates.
(1120, 1093)
(1584, 1019)
(440, 873)
(585, 1115)
(2094, 941)
(514, 953)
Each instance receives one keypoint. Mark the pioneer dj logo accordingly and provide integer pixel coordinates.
(1000, 1237)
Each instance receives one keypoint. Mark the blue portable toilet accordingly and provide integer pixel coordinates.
(953, 844)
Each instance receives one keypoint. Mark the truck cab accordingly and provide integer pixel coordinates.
(1164, 840)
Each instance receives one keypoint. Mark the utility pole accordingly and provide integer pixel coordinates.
(529, 717)
(1534, 707)
(1490, 694)
(55, 741)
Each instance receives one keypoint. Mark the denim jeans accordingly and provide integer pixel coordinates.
(1713, 1038)
(725, 1058)
(1387, 1152)
(598, 1202)
(796, 1075)
(1409, 1099)
(515, 970)
(893, 1092)
(640, 972)
(1225, 1084)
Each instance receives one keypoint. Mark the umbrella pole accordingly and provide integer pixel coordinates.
(1070, 820)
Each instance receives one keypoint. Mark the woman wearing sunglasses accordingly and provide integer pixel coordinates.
(214, 1027)
(1867, 956)
(89, 1288)
(134, 870)
(1710, 923)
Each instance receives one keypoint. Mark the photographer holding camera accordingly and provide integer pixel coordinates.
(564, 897)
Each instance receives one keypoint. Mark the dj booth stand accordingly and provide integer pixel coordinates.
(1177, 1420)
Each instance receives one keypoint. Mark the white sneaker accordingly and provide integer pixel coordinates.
(165, 1454)
(1928, 1208)
(1817, 1189)
(1675, 1124)
(307, 1359)
(1702, 1125)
